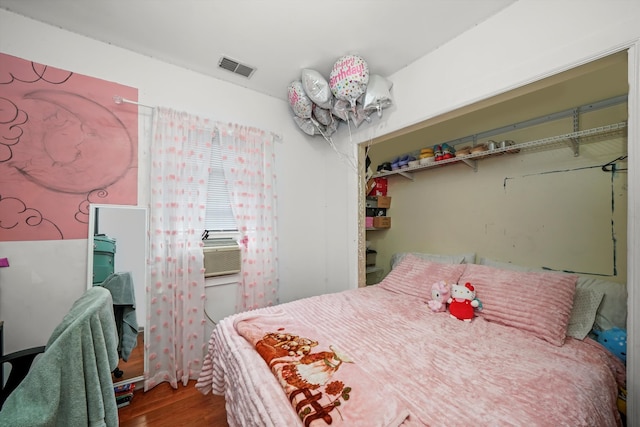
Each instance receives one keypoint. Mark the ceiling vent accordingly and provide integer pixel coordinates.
(235, 67)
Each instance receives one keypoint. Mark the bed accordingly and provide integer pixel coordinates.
(378, 356)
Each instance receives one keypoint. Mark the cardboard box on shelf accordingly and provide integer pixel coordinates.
(384, 202)
(382, 222)
(370, 186)
(380, 187)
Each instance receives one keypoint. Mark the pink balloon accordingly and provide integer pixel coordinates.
(349, 77)
(299, 101)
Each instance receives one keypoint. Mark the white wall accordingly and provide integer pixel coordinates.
(46, 277)
(527, 41)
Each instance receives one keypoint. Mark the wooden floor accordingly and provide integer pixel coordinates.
(164, 406)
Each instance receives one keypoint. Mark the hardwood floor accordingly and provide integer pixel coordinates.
(164, 406)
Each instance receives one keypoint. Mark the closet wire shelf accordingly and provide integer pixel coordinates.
(574, 138)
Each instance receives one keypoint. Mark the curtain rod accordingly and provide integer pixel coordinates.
(120, 100)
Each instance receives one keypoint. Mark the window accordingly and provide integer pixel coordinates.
(219, 221)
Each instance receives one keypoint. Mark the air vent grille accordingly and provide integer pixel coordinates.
(235, 67)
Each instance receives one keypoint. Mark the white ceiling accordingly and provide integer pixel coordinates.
(278, 37)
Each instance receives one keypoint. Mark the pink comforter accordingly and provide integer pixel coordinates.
(443, 371)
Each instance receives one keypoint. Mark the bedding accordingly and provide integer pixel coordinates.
(403, 364)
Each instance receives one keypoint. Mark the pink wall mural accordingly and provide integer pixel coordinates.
(64, 143)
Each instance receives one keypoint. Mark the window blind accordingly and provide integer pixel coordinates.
(219, 216)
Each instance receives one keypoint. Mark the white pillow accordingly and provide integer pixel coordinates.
(584, 312)
(468, 258)
(613, 309)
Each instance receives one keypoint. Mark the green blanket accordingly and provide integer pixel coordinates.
(70, 383)
(124, 304)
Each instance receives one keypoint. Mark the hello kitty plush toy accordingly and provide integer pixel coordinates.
(439, 296)
(463, 302)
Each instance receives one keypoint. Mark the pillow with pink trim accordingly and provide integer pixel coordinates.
(537, 303)
(415, 276)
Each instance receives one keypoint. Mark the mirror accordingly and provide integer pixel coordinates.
(117, 243)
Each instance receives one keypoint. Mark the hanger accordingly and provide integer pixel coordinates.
(611, 166)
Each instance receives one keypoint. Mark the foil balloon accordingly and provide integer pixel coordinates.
(306, 125)
(349, 77)
(299, 101)
(316, 88)
(341, 109)
(331, 128)
(360, 115)
(377, 95)
(322, 115)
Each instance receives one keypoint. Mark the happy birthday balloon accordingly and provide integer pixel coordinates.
(349, 77)
(299, 101)
(316, 88)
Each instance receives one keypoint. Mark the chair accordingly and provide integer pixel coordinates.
(20, 362)
(70, 384)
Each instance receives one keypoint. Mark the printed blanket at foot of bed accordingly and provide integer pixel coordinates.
(323, 384)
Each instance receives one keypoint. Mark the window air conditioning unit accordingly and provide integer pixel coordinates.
(221, 257)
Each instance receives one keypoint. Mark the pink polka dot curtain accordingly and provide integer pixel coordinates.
(175, 295)
(248, 159)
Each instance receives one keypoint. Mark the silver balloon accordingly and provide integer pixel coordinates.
(341, 109)
(360, 115)
(331, 128)
(322, 115)
(316, 88)
(378, 94)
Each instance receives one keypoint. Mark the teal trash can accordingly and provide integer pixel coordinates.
(104, 250)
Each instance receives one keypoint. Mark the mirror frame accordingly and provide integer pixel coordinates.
(93, 208)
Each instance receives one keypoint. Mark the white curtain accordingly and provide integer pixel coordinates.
(179, 154)
(248, 157)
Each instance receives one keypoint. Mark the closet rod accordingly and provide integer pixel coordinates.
(120, 100)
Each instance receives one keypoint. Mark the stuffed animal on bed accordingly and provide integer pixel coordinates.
(439, 296)
(463, 302)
